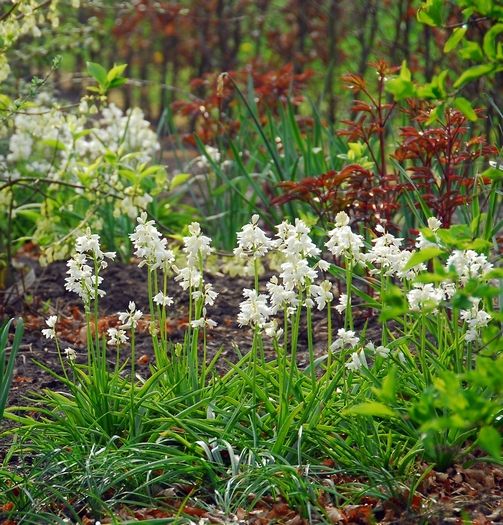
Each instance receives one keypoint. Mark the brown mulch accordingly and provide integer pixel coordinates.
(122, 283)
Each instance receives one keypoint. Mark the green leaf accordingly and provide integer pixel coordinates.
(436, 114)
(405, 72)
(471, 51)
(478, 245)
(372, 408)
(490, 440)
(490, 45)
(494, 174)
(455, 39)
(98, 72)
(473, 73)
(422, 255)
(495, 273)
(117, 82)
(178, 180)
(465, 107)
(430, 13)
(116, 72)
(456, 235)
(435, 89)
(389, 387)
(54, 144)
(402, 87)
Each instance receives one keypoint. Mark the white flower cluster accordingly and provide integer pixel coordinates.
(82, 278)
(129, 319)
(433, 224)
(196, 248)
(425, 297)
(294, 287)
(347, 339)
(296, 277)
(28, 18)
(252, 241)
(294, 242)
(129, 131)
(254, 310)
(475, 319)
(150, 246)
(468, 264)
(343, 242)
(44, 126)
(387, 256)
(202, 163)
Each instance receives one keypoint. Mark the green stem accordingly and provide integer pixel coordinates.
(348, 319)
(329, 333)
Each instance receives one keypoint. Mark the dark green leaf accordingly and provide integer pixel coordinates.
(98, 73)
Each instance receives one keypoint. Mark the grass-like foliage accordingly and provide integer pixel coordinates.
(426, 389)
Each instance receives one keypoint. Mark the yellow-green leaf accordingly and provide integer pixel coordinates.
(490, 440)
(178, 180)
(473, 73)
(455, 39)
(372, 408)
(465, 107)
(422, 255)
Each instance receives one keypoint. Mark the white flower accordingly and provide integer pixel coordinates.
(468, 264)
(150, 245)
(208, 294)
(50, 333)
(196, 245)
(448, 288)
(387, 256)
(280, 297)
(421, 242)
(272, 329)
(117, 336)
(434, 224)
(254, 310)
(322, 294)
(323, 265)
(163, 300)
(341, 219)
(424, 297)
(202, 162)
(343, 242)
(81, 279)
(202, 322)
(294, 241)
(90, 244)
(130, 318)
(189, 277)
(252, 241)
(70, 354)
(296, 273)
(381, 351)
(345, 338)
(475, 320)
(356, 361)
(343, 303)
